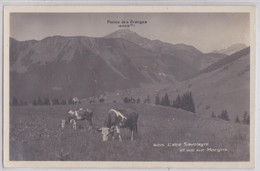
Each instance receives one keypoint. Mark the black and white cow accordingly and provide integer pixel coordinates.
(80, 114)
(116, 119)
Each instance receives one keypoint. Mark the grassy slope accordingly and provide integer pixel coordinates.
(36, 135)
(225, 88)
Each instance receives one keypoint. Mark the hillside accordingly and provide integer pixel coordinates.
(226, 60)
(119, 66)
(78, 65)
(125, 64)
(38, 130)
(231, 49)
(84, 66)
(224, 86)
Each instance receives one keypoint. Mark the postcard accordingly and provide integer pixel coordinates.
(129, 86)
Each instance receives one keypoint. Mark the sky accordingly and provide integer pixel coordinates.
(205, 31)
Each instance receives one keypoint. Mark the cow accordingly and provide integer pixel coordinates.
(80, 114)
(116, 119)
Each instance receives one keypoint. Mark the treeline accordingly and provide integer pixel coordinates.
(131, 100)
(17, 102)
(246, 119)
(54, 101)
(44, 101)
(137, 100)
(184, 102)
(225, 116)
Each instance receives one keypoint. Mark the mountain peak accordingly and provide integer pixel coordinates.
(238, 45)
(129, 35)
(126, 34)
(121, 32)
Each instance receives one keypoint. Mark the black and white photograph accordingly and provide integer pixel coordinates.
(134, 86)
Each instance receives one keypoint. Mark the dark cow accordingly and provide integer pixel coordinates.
(116, 119)
(81, 114)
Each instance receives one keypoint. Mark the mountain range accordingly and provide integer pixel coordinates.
(80, 66)
(187, 53)
(231, 49)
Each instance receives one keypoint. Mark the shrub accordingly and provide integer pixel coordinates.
(102, 100)
(14, 101)
(207, 107)
(126, 100)
(224, 115)
(246, 118)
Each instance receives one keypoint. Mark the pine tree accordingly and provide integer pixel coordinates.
(178, 101)
(39, 102)
(101, 100)
(126, 100)
(14, 101)
(184, 101)
(34, 102)
(47, 101)
(162, 101)
(246, 118)
(192, 104)
(21, 102)
(224, 115)
(157, 100)
(166, 100)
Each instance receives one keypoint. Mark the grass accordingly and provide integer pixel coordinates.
(36, 135)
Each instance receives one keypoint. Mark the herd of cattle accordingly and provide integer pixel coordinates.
(114, 120)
